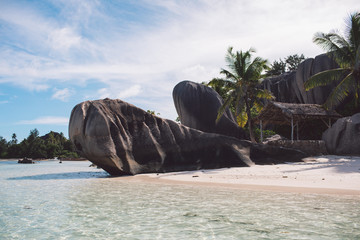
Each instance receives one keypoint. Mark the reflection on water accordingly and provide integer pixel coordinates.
(72, 201)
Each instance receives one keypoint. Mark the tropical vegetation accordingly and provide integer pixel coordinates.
(290, 63)
(345, 50)
(48, 146)
(240, 86)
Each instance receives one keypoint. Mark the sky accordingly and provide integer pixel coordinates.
(55, 54)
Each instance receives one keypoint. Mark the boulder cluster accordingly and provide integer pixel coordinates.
(126, 140)
(343, 137)
(289, 87)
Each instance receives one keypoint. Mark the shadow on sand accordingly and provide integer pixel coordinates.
(338, 165)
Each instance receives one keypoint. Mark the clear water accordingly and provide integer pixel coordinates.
(49, 200)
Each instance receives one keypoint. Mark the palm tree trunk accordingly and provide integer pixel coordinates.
(248, 113)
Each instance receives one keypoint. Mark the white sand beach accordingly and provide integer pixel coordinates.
(323, 174)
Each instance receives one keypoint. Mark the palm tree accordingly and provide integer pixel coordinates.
(346, 52)
(242, 78)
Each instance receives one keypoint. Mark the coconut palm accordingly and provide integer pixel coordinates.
(346, 52)
(242, 78)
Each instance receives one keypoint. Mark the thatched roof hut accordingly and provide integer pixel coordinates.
(279, 113)
(282, 113)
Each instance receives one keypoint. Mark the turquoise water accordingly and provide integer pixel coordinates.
(71, 200)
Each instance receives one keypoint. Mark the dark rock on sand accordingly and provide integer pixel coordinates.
(262, 154)
(123, 139)
(197, 106)
(26, 160)
(344, 136)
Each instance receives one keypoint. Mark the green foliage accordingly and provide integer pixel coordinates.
(293, 61)
(290, 63)
(239, 87)
(3, 147)
(152, 112)
(276, 68)
(50, 145)
(346, 53)
(220, 86)
(266, 134)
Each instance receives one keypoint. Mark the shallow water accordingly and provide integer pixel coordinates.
(71, 200)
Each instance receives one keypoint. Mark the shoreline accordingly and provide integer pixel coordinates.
(245, 187)
(339, 175)
(335, 175)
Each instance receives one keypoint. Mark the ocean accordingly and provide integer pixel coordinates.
(70, 200)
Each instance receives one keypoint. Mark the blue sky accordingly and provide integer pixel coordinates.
(55, 54)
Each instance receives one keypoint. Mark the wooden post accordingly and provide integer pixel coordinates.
(329, 123)
(292, 129)
(261, 132)
(297, 130)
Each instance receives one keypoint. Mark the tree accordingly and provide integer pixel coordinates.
(242, 78)
(50, 145)
(276, 68)
(13, 139)
(290, 63)
(220, 86)
(346, 53)
(293, 61)
(3, 147)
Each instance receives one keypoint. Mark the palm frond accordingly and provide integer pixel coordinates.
(264, 94)
(324, 78)
(230, 59)
(341, 91)
(357, 62)
(224, 107)
(229, 75)
(219, 82)
(255, 69)
(242, 119)
(258, 105)
(239, 100)
(335, 45)
(353, 30)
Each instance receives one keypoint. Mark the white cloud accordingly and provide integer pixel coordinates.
(64, 38)
(4, 102)
(180, 40)
(46, 120)
(116, 92)
(62, 94)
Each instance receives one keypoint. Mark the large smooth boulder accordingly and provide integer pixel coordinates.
(123, 139)
(344, 136)
(197, 106)
(289, 87)
(308, 68)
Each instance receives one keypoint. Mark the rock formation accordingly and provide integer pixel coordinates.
(197, 106)
(123, 139)
(344, 136)
(283, 87)
(289, 87)
(26, 160)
